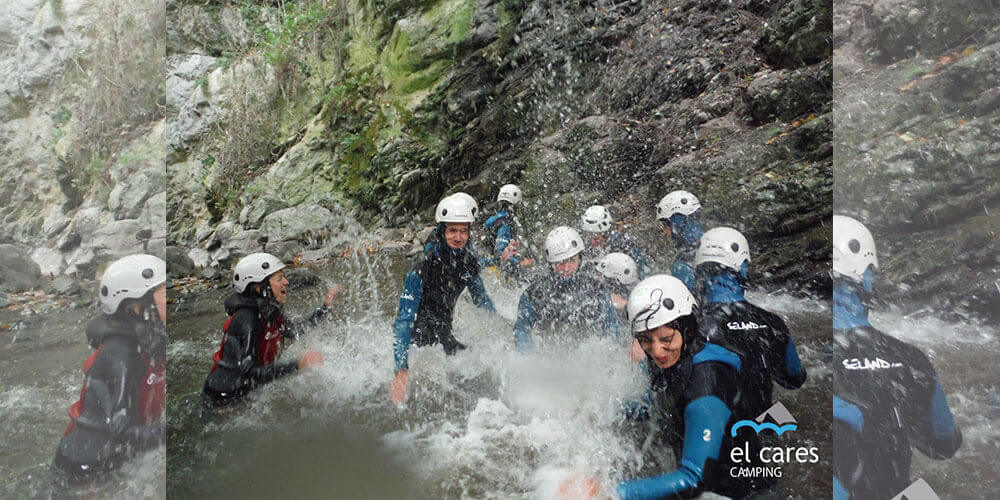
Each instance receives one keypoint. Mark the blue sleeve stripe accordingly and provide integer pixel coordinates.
(715, 352)
(525, 318)
(848, 413)
(409, 302)
(839, 492)
(793, 365)
(503, 238)
(704, 427)
(942, 422)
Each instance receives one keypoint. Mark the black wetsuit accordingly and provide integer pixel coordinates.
(579, 303)
(697, 401)
(120, 411)
(252, 341)
(886, 398)
(430, 291)
(763, 343)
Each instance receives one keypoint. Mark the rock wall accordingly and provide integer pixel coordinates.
(81, 137)
(374, 109)
(917, 137)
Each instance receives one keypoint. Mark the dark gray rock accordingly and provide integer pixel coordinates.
(18, 273)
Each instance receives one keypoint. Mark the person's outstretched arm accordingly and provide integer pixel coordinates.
(525, 320)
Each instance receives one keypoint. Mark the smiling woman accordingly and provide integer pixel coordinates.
(255, 333)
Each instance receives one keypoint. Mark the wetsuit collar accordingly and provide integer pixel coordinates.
(849, 311)
(723, 288)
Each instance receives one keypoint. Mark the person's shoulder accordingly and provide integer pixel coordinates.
(772, 319)
(711, 352)
(114, 352)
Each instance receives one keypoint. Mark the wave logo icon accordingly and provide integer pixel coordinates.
(784, 421)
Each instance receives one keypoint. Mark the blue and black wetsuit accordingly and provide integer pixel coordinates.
(576, 304)
(760, 338)
(430, 291)
(686, 233)
(621, 243)
(500, 231)
(887, 398)
(697, 401)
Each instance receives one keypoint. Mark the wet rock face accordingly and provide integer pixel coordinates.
(917, 147)
(578, 102)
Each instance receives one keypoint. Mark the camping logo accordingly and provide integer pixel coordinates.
(783, 421)
(768, 460)
(919, 490)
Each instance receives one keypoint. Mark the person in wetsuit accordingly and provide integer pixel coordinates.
(255, 333)
(679, 212)
(120, 410)
(620, 274)
(597, 225)
(886, 395)
(759, 337)
(575, 301)
(431, 289)
(500, 233)
(697, 396)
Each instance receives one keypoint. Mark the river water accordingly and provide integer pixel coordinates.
(486, 423)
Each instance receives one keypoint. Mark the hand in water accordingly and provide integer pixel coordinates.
(636, 352)
(332, 294)
(310, 358)
(578, 487)
(527, 262)
(397, 391)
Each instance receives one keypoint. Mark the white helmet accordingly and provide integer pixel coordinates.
(725, 246)
(511, 193)
(459, 207)
(130, 277)
(619, 266)
(853, 248)
(597, 219)
(255, 268)
(656, 301)
(677, 202)
(562, 243)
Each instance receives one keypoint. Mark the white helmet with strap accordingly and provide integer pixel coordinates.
(677, 202)
(255, 268)
(725, 246)
(130, 277)
(459, 207)
(656, 301)
(853, 248)
(596, 219)
(562, 243)
(510, 193)
(618, 266)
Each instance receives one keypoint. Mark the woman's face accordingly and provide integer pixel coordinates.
(160, 301)
(568, 267)
(456, 234)
(663, 344)
(279, 286)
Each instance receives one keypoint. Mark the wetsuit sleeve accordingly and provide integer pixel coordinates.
(503, 239)
(525, 320)
(684, 272)
(932, 429)
(479, 296)
(704, 427)
(786, 367)
(640, 261)
(637, 410)
(409, 302)
(110, 405)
